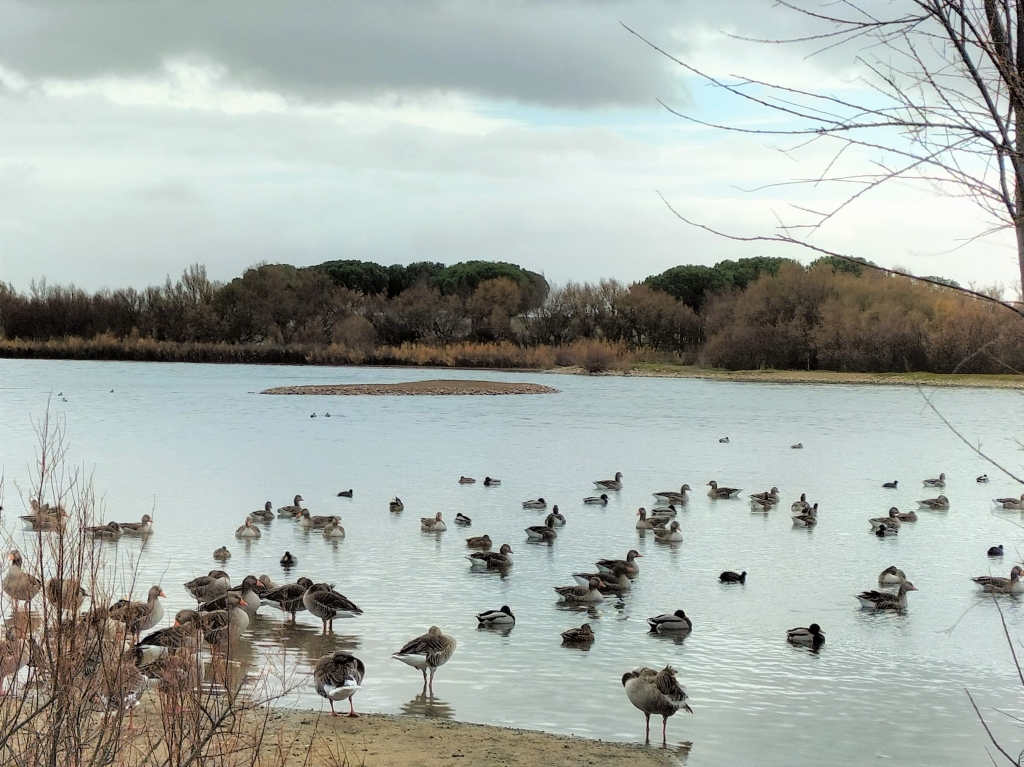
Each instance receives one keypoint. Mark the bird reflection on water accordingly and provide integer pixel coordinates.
(429, 706)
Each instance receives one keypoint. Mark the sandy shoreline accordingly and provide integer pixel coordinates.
(435, 387)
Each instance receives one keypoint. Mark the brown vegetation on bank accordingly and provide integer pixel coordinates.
(434, 387)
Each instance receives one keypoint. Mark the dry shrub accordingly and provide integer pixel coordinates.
(597, 356)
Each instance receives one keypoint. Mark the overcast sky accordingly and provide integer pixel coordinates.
(139, 137)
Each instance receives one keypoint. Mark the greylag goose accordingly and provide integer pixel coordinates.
(891, 485)
(884, 600)
(318, 522)
(892, 576)
(140, 616)
(797, 446)
(247, 531)
(673, 497)
(288, 598)
(1004, 501)
(630, 564)
(266, 514)
(717, 492)
(289, 512)
(1011, 504)
(428, 653)
(655, 692)
(906, 516)
(288, 560)
(17, 584)
(643, 523)
(222, 628)
(611, 583)
(536, 503)
(462, 520)
(800, 505)
(222, 554)
(545, 532)
(346, 493)
(939, 481)
(992, 584)
(396, 505)
(108, 532)
(268, 584)
(676, 622)
(996, 551)
(208, 587)
(584, 635)
(466, 480)
(556, 516)
(492, 560)
(163, 642)
(502, 617)
(610, 484)
(670, 535)
(339, 676)
(940, 504)
(730, 577)
(66, 594)
(479, 542)
(769, 496)
(811, 636)
(145, 527)
(806, 518)
(333, 529)
(893, 520)
(433, 524)
(577, 594)
(249, 590)
(982, 479)
(325, 603)
(491, 482)
(597, 500)
(14, 655)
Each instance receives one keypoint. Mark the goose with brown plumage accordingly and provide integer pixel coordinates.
(655, 692)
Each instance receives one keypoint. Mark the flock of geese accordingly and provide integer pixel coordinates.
(223, 610)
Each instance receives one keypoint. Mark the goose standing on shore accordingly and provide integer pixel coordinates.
(428, 653)
(140, 616)
(325, 603)
(339, 676)
(655, 692)
(993, 584)
(433, 524)
(939, 481)
(247, 531)
(501, 617)
(673, 497)
(610, 484)
(17, 584)
(676, 622)
(884, 600)
(716, 492)
(294, 510)
(266, 514)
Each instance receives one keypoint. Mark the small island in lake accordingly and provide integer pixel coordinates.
(432, 387)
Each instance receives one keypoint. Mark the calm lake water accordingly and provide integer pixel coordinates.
(198, 444)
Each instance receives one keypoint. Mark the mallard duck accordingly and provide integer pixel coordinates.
(730, 577)
(309, 522)
(139, 616)
(797, 446)
(800, 505)
(345, 493)
(210, 586)
(891, 485)
(886, 531)
(545, 532)
(266, 514)
(479, 542)
(717, 492)
(537, 503)
(673, 497)
(247, 531)
(291, 511)
(466, 480)
(576, 594)
(811, 636)
(428, 653)
(65, 594)
(492, 560)
(906, 516)
(996, 551)
(892, 576)
(557, 519)
(222, 554)
(616, 582)
(630, 564)
(670, 535)
(325, 603)
(597, 500)
(396, 505)
(433, 524)
(893, 520)
(992, 584)
(884, 600)
(17, 584)
(502, 617)
(771, 496)
(462, 520)
(334, 529)
(724, 440)
(610, 484)
(940, 481)
(655, 692)
(939, 504)
(982, 479)
(312, 415)
(491, 482)
(643, 523)
(288, 598)
(584, 635)
(108, 532)
(664, 513)
(289, 560)
(142, 528)
(339, 676)
(676, 622)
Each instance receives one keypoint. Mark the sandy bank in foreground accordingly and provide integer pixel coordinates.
(397, 741)
(433, 387)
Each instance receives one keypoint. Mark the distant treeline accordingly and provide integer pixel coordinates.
(746, 314)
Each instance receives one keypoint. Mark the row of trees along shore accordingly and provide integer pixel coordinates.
(747, 314)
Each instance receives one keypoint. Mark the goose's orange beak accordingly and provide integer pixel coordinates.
(243, 603)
